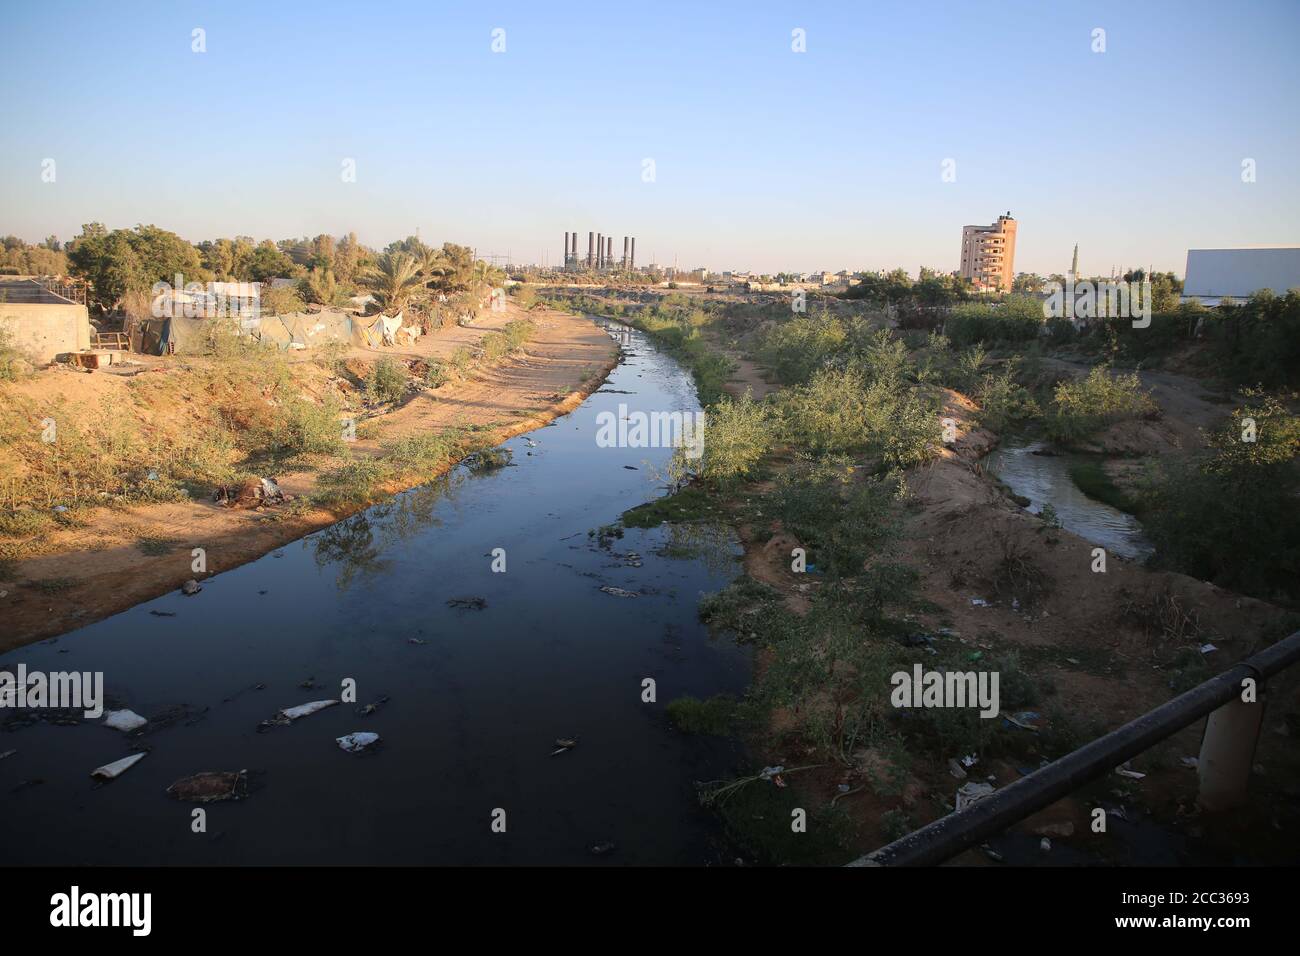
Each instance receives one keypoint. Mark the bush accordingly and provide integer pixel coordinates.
(794, 350)
(1084, 406)
(838, 411)
(387, 382)
(308, 428)
(1230, 515)
(737, 434)
(14, 366)
(840, 519)
(1018, 319)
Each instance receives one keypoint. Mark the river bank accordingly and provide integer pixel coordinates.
(109, 559)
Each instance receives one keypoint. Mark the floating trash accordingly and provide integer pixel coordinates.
(355, 743)
(111, 771)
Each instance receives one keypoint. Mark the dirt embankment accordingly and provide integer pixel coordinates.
(103, 564)
(1105, 647)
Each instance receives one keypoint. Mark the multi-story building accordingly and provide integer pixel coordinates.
(988, 254)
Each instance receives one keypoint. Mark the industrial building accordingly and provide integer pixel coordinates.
(600, 254)
(1233, 275)
(988, 254)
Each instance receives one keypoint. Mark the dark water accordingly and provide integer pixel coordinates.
(474, 712)
(1045, 479)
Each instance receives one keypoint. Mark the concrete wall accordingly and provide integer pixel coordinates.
(44, 332)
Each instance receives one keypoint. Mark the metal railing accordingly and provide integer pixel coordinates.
(1224, 764)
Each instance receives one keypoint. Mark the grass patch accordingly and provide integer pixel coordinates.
(689, 504)
(156, 547)
(1091, 478)
(691, 715)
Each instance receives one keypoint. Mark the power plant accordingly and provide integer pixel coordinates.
(600, 254)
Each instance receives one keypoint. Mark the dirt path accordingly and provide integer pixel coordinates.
(93, 571)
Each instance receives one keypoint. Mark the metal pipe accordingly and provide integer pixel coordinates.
(950, 835)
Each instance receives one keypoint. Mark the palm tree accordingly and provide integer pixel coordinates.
(392, 280)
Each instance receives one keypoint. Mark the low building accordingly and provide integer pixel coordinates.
(40, 323)
(1233, 275)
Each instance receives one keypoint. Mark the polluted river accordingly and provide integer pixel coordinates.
(509, 700)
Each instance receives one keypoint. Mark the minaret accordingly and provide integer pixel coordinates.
(1074, 266)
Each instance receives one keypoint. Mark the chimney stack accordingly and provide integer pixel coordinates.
(591, 249)
(565, 258)
(625, 253)
(632, 262)
(609, 251)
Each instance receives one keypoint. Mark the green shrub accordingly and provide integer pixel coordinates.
(386, 382)
(694, 716)
(1018, 319)
(840, 518)
(308, 428)
(1084, 406)
(737, 434)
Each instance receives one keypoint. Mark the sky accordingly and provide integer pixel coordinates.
(764, 158)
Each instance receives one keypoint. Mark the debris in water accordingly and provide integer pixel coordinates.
(111, 771)
(123, 720)
(8, 753)
(416, 640)
(290, 714)
(631, 467)
(308, 684)
(563, 744)
(468, 603)
(369, 709)
(191, 588)
(355, 743)
(970, 793)
(619, 592)
(600, 849)
(1045, 845)
(163, 613)
(27, 784)
(211, 786)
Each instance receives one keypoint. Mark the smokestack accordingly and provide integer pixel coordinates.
(609, 252)
(632, 262)
(600, 249)
(625, 253)
(591, 249)
(566, 248)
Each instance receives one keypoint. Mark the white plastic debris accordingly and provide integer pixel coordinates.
(1191, 763)
(306, 710)
(969, 793)
(111, 771)
(1045, 845)
(7, 753)
(353, 743)
(979, 602)
(1208, 648)
(123, 720)
(1131, 774)
(767, 773)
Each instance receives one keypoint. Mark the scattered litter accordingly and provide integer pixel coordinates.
(355, 743)
(1124, 771)
(468, 603)
(290, 714)
(8, 753)
(600, 849)
(631, 468)
(971, 793)
(370, 708)
(253, 493)
(211, 786)
(991, 853)
(976, 656)
(562, 744)
(779, 781)
(111, 771)
(124, 720)
(1015, 604)
(415, 640)
(1191, 763)
(969, 760)
(767, 773)
(59, 508)
(1208, 648)
(190, 588)
(1045, 845)
(843, 788)
(979, 602)
(956, 770)
(1071, 660)
(619, 592)
(163, 613)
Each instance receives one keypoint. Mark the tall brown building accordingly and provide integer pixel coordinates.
(988, 254)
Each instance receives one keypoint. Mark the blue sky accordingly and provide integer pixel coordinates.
(764, 158)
